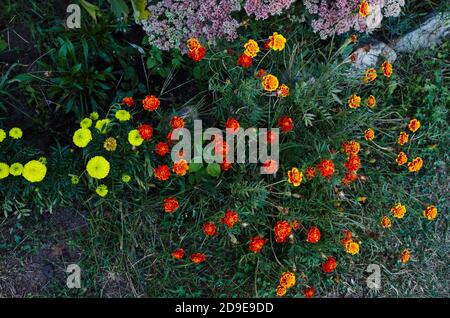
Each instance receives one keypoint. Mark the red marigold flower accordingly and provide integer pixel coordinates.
(353, 162)
(180, 167)
(170, 204)
(310, 173)
(270, 166)
(271, 137)
(349, 177)
(169, 137)
(261, 73)
(232, 124)
(146, 131)
(178, 253)
(225, 166)
(286, 123)
(329, 265)
(177, 122)
(326, 168)
(198, 258)
(348, 237)
(162, 148)
(129, 101)
(244, 61)
(197, 54)
(282, 231)
(230, 218)
(209, 228)
(151, 103)
(309, 292)
(313, 235)
(351, 147)
(257, 243)
(162, 172)
(295, 224)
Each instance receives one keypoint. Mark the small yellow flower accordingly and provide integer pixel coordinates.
(126, 178)
(134, 138)
(277, 42)
(16, 169)
(430, 212)
(386, 222)
(371, 75)
(122, 115)
(295, 177)
(371, 101)
(352, 247)
(402, 138)
(98, 167)
(15, 133)
(287, 280)
(415, 165)
(102, 125)
(82, 137)
(398, 210)
(414, 125)
(369, 134)
(401, 158)
(94, 116)
(34, 171)
(74, 180)
(110, 144)
(4, 170)
(364, 9)
(404, 257)
(2, 135)
(102, 190)
(354, 101)
(281, 291)
(251, 48)
(86, 123)
(283, 91)
(270, 83)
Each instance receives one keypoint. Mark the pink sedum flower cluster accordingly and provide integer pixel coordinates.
(263, 9)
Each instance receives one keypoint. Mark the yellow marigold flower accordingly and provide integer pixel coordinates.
(98, 167)
(82, 137)
(387, 68)
(281, 291)
(287, 280)
(74, 180)
(122, 115)
(270, 83)
(34, 171)
(102, 190)
(2, 135)
(401, 158)
(386, 222)
(276, 42)
(15, 133)
(398, 210)
(369, 134)
(283, 91)
(352, 247)
(4, 170)
(402, 138)
(94, 116)
(126, 178)
(415, 165)
(134, 138)
(193, 44)
(110, 144)
(86, 123)
(430, 212)
(371, 101)
(295, 177)
(16, 169)
(251, 48)
(414, 125)
(354, 101)
(404, 257)
(102, 125)
(371, 75)
(364, 9)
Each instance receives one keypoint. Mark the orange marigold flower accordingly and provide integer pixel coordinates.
(354, 101)
(387, 68)
(351, 147)
(354, 38)
(198, 258)
(326, 168)
(309, 292)
(178, 253)
(271, 137)
(402, 138)
(285, 123)
(430, 212)
(310, 173)
(270, 166)
(282, 231)
(230, 218)
(197, 54)
(329, 265)
(364, 9)
(295, 177)
(261, 73)
(353, 162)
(232, 124)
(352, 247)
(415, 165)
(283, 91)
(398, 210)
(257, 243)
(162, 172)
(162, 148)
(348, 236)
(180, 167)
(295, 224)
(371, 75)
(369, 134)
(386, 222)
(209, 228)
(269, 82)
(170, 204)
(414, 125)
(225, 166)
(349, 177)
(251, 48)
(313, 235)
(276, 42)
(371, 101)
(401, 158)
(193, 43)
(177, 122)
(287, 280)
(245, 61)
(281, 291)
(151, 103)
(145, 131)
(404, 257)
(129, 101)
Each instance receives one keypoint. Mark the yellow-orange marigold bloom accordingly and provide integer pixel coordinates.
(414, 125)
(369, 134)
(352, 247)
(230, 218)
(386, 222)
(170, 204)
(295, 177)
(251, 48)
(404, 257)
(364, 8)
(178, 253)
(283, 91)
(310, 173)
(354, 38)
(192, 44)
(281, 291)
(415, 165)
(269, 82)
(287, 280)
(402, 138)
(313, 235)
(371, 101)
(349, 177)
(198, 258)
(354, 101)
(276, 42)
(401, 159)
(151, 103)
(180, 167)
(430, 212)
(351, 147)
(398, 210)
(282, 231)
(371, 75)
(387, 68)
